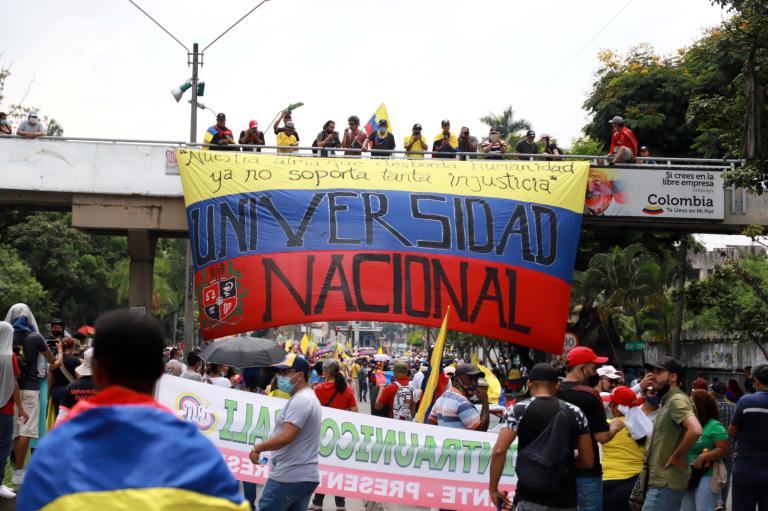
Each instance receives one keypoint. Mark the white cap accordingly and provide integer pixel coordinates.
(85, 368)
(609, 372)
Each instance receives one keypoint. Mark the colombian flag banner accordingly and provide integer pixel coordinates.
(279, 239)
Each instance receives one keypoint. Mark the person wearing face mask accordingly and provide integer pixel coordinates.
(651, 403)
(675, 431)
(31, 127)
(5, 126)
(453, 408)
(294, 442)
(623, 456)
(578, 389)
(494, 147)
(381, 141)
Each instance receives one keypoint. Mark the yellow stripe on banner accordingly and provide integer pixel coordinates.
(434, 363)
(209, 174)
(146, 499)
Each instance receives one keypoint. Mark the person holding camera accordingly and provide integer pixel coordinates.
(252, 136)
(467, 143)
(415, 142)
(354, 137)
(327, 138)
(445, 143)
(494, 147)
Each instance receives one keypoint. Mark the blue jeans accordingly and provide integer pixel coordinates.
(749, 490)
(249, 492)
(658, 498)
(702, 498)
(6, 438)
(590, 493)
(286, 496)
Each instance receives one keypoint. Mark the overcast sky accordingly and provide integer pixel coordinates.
(104, 70)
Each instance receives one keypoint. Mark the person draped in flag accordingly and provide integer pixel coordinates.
(121, 449)
(219, 135)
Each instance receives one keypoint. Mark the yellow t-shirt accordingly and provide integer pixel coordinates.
(355, 370)
(416, 147)
(622, 457)
(284, 139)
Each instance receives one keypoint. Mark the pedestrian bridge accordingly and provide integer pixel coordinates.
(133, 187)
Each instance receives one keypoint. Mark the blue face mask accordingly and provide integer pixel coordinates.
(284, 384)
(3, 122)
(382, 131)
(653, 400)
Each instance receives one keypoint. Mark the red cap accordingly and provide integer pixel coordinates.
(625, 396)
(253, 124)
(584, 355)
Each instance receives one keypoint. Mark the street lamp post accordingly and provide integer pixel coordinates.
(194, 59)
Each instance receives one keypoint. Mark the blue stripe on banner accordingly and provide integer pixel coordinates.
(522, 234)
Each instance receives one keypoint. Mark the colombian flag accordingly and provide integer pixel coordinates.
(373, 122)
(123, 450)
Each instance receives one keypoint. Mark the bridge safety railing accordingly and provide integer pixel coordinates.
(650, 162)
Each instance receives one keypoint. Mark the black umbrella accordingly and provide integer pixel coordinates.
(243, 352)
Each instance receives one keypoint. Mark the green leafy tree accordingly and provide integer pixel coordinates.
(736, 292)
(18, 284)
(588, 146)
(509, 127)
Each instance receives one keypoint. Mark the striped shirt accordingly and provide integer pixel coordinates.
(454, 410)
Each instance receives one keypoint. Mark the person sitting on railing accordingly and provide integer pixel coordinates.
(252, 136)
(494, 147)
(623, 142)
(445, 142)
(382, 140)
(5, 126)
(287, 135)
(31, 127)
(354, 137)
(327, 138)
(415, 142)
(219, 135)
(527, 145)
(467, 143)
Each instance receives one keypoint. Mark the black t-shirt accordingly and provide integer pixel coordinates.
(70, 363)
(259, 135)
(32, 345)
(529, 418)
(523, 147)
(590, 403)
(388, 142)
(334, 142)
(443, 146)
(78, 390)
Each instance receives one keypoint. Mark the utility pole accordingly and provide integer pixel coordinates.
(682, 265)
(190, 341)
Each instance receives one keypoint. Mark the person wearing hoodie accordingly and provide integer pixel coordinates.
(9, 395)
(33, 381)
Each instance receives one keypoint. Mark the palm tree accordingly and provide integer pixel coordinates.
(508, 126)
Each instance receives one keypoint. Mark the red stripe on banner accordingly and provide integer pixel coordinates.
(375, 486)
(489, 299)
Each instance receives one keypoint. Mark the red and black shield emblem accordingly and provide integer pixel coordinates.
(220, 299)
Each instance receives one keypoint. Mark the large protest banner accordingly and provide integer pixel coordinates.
(287, 239)
(361, 456)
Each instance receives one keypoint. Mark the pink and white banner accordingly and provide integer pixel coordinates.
(361, 456)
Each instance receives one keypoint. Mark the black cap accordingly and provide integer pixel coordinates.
(221, 117)
(543, 372)
(416, 126)
(57, 321)
(468, 369)
(446, 122)
(667, 363)
(383, 122)
(530, 133)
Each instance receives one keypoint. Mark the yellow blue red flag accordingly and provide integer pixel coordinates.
(378, 115)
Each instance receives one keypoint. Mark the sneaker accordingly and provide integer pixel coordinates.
(314, 507)
(6, 492)
(17, 477)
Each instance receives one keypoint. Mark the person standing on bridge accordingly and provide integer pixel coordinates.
(252, 136)
(219, 135)
(5, 126)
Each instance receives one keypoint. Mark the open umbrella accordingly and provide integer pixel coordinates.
(381, 357)
(243, 352)
(86, 330)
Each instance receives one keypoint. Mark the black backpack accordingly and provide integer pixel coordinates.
(543, 464)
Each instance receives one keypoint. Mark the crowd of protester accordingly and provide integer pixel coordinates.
(608, 441)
